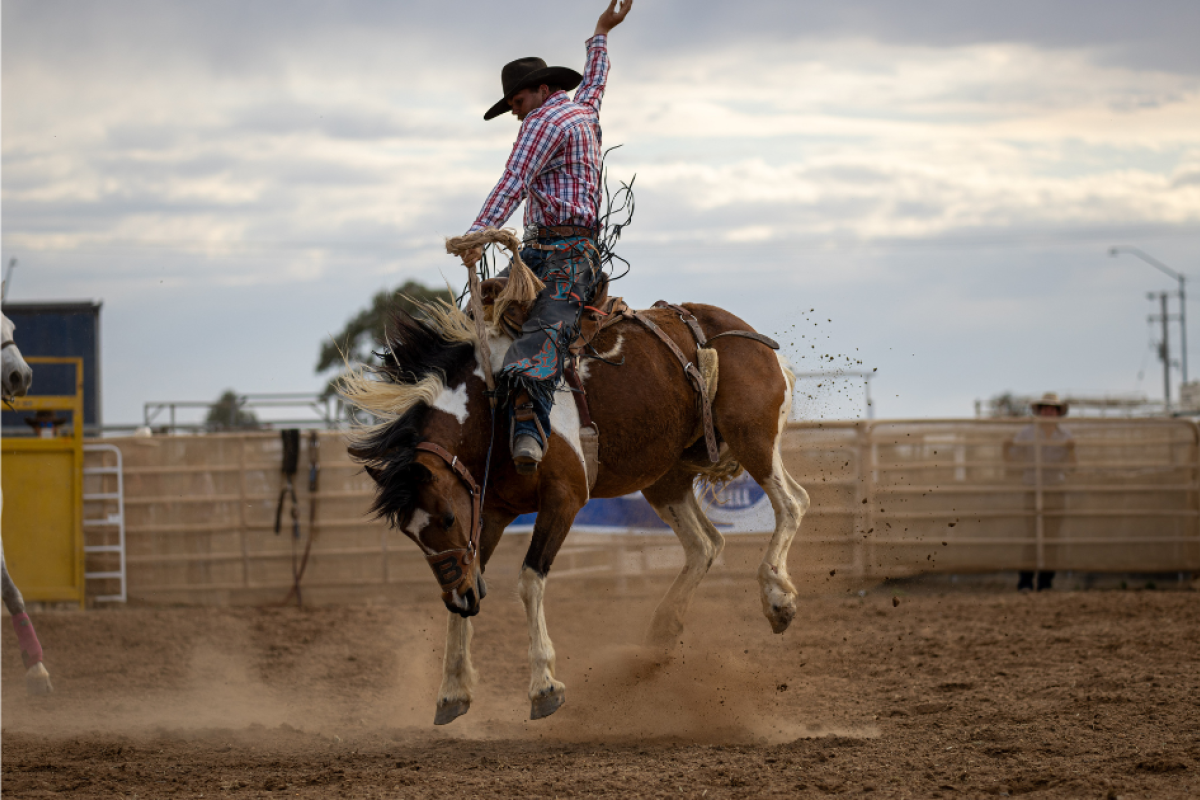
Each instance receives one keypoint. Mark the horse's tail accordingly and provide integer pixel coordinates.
(788, 376)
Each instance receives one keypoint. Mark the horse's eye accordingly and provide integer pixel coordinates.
(448, 520)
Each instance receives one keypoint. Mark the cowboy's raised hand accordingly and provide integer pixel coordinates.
(471, 257)
(613, 16)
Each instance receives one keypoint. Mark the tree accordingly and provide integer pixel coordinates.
(227, 414)
(365, 331)
(1007, 405)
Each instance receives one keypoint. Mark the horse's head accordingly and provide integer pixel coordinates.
(18, 377)
(427, 449)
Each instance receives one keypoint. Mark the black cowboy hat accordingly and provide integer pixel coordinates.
(525, 73)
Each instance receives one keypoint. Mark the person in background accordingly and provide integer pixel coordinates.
(1057, 455)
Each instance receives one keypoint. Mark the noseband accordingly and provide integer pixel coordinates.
(7, 343)
(451, 567)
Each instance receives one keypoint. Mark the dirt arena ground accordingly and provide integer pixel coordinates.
(903, 692)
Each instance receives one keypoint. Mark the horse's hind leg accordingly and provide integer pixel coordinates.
(674, 499)
(37, 679)
(755, 435)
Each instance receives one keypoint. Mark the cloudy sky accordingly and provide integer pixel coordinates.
(928, 187)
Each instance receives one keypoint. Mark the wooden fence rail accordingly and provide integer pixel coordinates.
(889, 498)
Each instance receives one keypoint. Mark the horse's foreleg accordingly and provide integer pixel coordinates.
(675, 501)
(37, 679)
(546, 693)
(458, 675)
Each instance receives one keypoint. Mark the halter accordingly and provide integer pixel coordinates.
(451, 566)
(7, 343)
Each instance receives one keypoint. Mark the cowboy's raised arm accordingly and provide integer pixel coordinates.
(595, 72)
(612, 16)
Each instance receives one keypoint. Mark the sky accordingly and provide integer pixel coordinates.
(926, 191)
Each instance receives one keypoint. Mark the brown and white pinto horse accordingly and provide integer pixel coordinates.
(428, 454)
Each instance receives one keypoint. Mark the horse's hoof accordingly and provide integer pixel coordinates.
(451, 710)
(547, 702)
(37, 680)
(781, 616)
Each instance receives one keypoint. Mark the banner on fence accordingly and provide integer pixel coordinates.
(740, 506)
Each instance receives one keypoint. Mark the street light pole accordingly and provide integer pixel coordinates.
(1164, 349)
(1154, 262)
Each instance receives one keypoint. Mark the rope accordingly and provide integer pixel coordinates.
(523, 286)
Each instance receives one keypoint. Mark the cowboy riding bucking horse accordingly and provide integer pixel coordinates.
(555, 167)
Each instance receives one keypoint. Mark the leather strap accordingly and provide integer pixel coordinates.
(581, 403)
(545, 232)
(451, 567)
(7, 343)
(689, 369)
(687, 317)
(757, 337)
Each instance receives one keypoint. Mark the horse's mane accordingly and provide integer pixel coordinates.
(421, 351)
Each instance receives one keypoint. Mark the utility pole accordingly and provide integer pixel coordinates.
(1164, 349)
(1161, 267)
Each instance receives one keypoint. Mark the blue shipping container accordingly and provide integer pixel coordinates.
(59, 329)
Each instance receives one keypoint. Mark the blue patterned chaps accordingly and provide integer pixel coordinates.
(534, 363)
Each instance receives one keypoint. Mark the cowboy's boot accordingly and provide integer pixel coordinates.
(527, 449)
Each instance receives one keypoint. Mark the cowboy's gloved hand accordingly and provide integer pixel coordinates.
(612, 17)
(472, 256)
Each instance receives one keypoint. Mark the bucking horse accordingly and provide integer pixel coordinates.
(674, 395)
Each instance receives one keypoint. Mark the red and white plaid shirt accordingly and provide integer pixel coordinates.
(555, 163)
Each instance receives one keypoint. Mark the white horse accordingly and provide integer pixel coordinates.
(18, 377)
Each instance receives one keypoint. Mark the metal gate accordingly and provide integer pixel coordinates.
(43, 510)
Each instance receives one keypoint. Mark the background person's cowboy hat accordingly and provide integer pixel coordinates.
(1049, 400)
(529, 73)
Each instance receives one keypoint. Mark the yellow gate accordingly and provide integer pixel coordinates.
(43, 500)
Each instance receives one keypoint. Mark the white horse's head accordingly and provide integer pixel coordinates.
(18, 377)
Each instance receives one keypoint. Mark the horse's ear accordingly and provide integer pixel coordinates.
(375, 473)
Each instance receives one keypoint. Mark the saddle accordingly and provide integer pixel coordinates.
(600, 314)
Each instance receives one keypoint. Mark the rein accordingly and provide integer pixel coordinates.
(451, 567)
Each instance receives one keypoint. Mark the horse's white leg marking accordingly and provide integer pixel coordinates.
(702, 543)
(458, 675)
(790, 502)
(545, 693)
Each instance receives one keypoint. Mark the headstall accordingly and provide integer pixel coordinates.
(451, 567)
